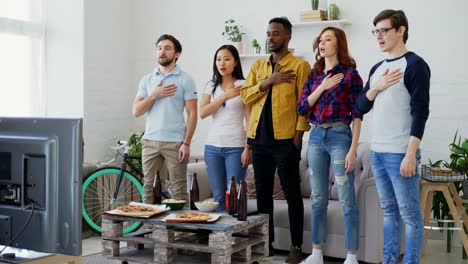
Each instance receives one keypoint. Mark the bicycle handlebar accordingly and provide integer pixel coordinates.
(121, 144)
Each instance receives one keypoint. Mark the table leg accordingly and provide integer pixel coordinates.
(261, 230)
(162, 236)
(426, 198)
(456, 216)
(221, 242)
(111, 229)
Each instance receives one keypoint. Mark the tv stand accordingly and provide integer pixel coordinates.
(34, 257)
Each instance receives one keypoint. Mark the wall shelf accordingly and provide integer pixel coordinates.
(325, 23)
(258, 56)
(253, 56)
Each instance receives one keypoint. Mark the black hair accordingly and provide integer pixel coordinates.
(283, 21)
(236, 73)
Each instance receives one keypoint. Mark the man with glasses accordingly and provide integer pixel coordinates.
(163, 95)
(398, 92)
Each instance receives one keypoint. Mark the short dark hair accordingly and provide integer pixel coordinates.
(397, 18)
(283, 21)
(177, 45)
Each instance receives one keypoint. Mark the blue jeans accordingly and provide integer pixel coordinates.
(221, 164)
(330, 145)
(399, 200)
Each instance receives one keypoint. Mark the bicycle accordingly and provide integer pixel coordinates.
(110, 187)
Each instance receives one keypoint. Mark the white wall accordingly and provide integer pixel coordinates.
(119, 50)
(64, 58)
(107, 74)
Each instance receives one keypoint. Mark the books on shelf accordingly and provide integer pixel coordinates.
(312, 15)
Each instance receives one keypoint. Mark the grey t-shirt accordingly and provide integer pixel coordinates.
(401, 110)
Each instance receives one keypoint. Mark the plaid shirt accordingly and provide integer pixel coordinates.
(336, 104)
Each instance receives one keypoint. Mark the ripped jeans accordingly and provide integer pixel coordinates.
(330, 146)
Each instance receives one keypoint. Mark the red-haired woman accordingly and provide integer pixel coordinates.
(328, 100)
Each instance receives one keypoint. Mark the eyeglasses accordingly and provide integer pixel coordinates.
(380, 31)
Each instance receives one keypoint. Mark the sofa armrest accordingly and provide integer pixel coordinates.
(371, 220)
(202, 176)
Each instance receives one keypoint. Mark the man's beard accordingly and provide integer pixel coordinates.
(278, 48)
(165, 62)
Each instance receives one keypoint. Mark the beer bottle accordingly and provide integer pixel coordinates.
(233, 197)
(157, 190)
(242, 202)
(194, 192)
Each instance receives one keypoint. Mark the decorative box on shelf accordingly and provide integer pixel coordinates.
(440, 174)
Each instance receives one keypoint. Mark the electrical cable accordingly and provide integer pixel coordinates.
(22, 229)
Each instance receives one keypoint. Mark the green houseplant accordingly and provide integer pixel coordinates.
(135, 150)
(232, 31)
(256, 47)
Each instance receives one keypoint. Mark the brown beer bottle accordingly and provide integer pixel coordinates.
(233, 197)
(194, 192)
(157, 190)
(242, 202)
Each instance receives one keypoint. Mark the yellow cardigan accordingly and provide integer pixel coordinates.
(284, 97)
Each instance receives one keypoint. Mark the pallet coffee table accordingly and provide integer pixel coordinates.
(227, 240)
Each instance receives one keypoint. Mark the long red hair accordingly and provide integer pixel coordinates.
(342, 49)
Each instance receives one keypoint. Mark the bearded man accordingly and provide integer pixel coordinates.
(162, 95)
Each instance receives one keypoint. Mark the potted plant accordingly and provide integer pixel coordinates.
(135, 151)
(256, 47)
(233, 33)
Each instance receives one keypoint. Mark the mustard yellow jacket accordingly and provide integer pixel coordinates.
(284, 96)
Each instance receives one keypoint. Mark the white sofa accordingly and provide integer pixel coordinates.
(370, 216)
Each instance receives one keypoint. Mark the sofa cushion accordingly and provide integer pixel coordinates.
(278, 193)
(335, 216)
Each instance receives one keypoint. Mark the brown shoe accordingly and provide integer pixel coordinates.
(295, 255)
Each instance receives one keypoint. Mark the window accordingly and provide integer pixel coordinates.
(21, 52)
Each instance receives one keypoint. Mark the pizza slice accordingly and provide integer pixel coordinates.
(190, 217)
(137, 210)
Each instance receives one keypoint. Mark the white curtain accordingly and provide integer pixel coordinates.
(22, 34)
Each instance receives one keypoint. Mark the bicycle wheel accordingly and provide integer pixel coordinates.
(98, 189)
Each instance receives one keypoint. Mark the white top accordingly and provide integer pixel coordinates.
(227, 126)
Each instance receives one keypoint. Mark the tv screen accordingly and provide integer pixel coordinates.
(40, 184)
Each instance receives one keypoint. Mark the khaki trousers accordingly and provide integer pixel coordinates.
(155, 155)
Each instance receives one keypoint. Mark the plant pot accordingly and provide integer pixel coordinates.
(465, 189)
(238, 46)
(314, 4)
(257, 50)
(333, 10)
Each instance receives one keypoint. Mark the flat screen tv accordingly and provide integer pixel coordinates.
(40, 184)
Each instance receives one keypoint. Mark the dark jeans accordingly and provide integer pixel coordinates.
(285, 158)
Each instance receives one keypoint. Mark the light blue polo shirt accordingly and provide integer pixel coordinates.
(165, 119)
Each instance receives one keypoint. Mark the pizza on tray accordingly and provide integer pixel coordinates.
(190, 217)
(137, 210)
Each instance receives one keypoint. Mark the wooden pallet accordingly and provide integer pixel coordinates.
(227, 240)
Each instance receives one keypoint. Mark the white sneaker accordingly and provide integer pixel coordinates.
(351, 261)
(313, 259)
